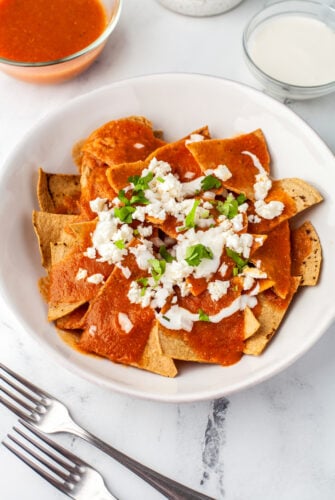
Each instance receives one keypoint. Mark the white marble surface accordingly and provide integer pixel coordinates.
(274, 441)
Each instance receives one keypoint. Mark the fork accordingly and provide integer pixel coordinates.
(69, 474)
(49, 415)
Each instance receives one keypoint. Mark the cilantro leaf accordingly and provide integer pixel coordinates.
(229, 207)
(165, 254)
(189, 220)
(141, 183)
(210, 182)
(124, 213)
(157, 268)
(196, 253)
(203, 316)
(241, 198)
(122, 197)
(240, 263)
(120, 244)
(139, 198)
(144, 282)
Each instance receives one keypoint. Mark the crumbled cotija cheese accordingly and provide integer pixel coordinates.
(124, 322)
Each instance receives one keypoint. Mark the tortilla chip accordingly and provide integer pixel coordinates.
(178, 344)
(272, 312)
(73, 320)
(179, 157)
(118, 175)
(43, 286)
(58, 193)
(124, 140)
(153, 360)
(231, 152)
(275, 258)
(251, 323)
(303, 194)
(306, 254)
(56, 311)
(107, 338)
(94, 184)
(296, 195)
(49, 228)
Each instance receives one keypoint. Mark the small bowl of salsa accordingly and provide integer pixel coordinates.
(49, 42)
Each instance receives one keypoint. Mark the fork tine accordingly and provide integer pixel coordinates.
(26, 382)
(37, 456)
(20, 390)
(58, 484)
(66, 465)
(55, 446)
(17, 400)
(15, 409)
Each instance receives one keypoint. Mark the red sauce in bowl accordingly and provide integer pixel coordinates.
(47, 30)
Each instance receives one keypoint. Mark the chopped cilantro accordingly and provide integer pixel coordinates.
(157, 268)
(139, 198)
(203, 316)
(241, 198)
(166, 318)
(235, 271)
(165, 254)
(120, 244)
(141, 183)
(122, 197)
(196, 253)
(160, 179)
(229, 207)
(124, 213)
(241, 263)
(144, 283)
(189, 220)
(210, 182)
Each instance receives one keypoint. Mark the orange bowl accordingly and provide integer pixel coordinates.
(59, 70)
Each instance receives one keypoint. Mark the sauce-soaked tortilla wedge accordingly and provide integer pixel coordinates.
(231, 152)
(67, 287)
(124, 140)
(103, 332)
(275, 258)
(183, 163)
(306, 254)
(211, 342)
(175, 153)
(58, 193)
(270, 312)
(219, 342)
(49, 228)
(118, 175)
(94, 184)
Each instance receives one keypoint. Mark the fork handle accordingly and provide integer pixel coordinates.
(168, 487)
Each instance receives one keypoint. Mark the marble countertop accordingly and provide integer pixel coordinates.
(273, 441)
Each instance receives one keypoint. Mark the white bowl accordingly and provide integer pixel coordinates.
(177, 104)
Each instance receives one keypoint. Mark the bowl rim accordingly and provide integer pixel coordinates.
(281, 83)
(116, 12)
